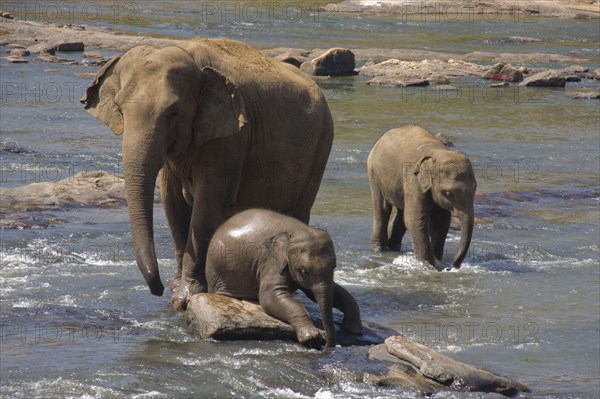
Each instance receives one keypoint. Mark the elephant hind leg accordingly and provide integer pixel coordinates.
(438, 230)
(397, 231)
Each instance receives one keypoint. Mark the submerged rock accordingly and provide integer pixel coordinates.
(335, 62)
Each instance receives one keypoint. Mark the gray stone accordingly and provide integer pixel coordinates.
(547, 78)
(335, 62)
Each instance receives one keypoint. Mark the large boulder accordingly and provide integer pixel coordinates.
(335, 62)
(547, 78)
(503, 72)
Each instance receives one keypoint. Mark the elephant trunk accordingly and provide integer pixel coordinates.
(466, 219)
(324, 296)
(142, 160)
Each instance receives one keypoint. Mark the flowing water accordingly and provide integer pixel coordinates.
(77, 320)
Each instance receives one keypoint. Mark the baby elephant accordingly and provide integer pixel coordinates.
(410, 170)
(265, 256)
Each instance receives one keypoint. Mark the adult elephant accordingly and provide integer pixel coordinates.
(228, 127)
(265, 256)
(414, 172)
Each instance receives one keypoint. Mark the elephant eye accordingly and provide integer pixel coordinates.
(447, 194)
(303, 272)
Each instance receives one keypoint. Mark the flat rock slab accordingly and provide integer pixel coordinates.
(211, 316)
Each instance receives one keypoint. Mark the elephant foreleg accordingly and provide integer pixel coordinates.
(397, 231)
(178, 214)
(416, 215)
(381, 216)
(439, 224)
(282, 305)
(344, 302)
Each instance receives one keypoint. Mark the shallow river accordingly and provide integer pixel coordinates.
(78, 321)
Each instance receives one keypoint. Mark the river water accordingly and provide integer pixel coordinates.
(78, 321)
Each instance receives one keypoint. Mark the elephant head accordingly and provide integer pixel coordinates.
(447, 176)
(162, 102)
(309, 259)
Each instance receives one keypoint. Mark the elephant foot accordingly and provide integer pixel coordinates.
(394, 247)
(352, 327)
(439, 266)
(182, 292)
(376, 247)
(310, 337)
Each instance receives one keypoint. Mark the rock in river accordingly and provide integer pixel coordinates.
(335, 62)
(503, 72)
(545, 79)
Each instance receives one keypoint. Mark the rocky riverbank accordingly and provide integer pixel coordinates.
(489, 9)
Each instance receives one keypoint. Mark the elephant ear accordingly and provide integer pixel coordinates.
(221, 108)
(424, 170)
(99, 98)
(278, 247)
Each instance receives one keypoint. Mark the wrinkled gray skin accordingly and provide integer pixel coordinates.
(265, 256)
(412, 171)
(229, 129)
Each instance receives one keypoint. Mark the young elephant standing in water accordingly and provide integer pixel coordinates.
(265, 256)
(410, 170)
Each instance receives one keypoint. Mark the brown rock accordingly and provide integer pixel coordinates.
(335, 62)
(596, 74)
(504, 72)
(6, 14)
(547, 78)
